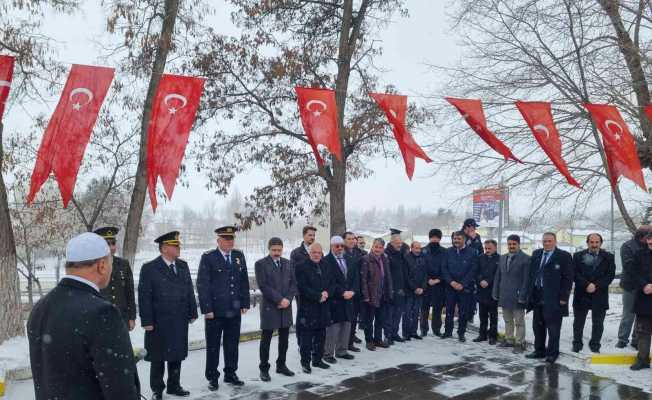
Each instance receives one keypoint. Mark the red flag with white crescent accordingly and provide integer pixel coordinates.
(538, 116)
(395, 108)
(6, 76)
(69, 129)
(174, 110)
(318, 110)
(619, 144)
(473, 114)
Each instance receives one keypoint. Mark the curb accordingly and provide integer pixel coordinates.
(2, 383)
(613, 359)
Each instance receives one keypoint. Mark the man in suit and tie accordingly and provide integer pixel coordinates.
(223, 289)
(276, 280)
(72, 328)
(345, 283)
(550, 283)
(167, 306)
(595, 269)
(301, 254)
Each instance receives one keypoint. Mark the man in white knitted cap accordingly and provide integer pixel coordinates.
(79, 346)
(345, 283)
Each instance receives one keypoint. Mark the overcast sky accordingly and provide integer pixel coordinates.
(409, 43)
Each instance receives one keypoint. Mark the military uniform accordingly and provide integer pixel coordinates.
(120, 290)
(223, 288)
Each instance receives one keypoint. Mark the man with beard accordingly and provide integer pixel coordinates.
(643, 303)
(397, 251)
(301, 253)
(435, 296)
(487, 265)
(417, 276)
(595, 269)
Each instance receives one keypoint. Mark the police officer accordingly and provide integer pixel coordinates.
(72, 328)
(167, 305)
(120, 290)
(223, 288)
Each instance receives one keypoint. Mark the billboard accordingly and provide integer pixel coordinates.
(486, 206)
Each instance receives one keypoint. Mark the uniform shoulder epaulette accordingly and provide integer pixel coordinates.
(207, 252)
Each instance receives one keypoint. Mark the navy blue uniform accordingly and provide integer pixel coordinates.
(223, 288)
(550, 284)
(399, 268)
(459, 265)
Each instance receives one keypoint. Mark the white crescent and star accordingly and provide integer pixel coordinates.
(619, 133)
(171, 96)
(5, 84)
(77, 106)
(541, 128)
(316, 112)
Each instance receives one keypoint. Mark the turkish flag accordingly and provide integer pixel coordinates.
(6, 75)
(318, 111)
(173, 112)
(619, 144)
(69, 130)
(395, 108)
(472, 112)
(538, 116)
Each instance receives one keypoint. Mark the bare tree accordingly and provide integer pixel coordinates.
(329, 44)
(559, 51)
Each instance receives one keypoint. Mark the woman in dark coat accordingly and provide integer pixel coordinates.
(643, 304)
(314, 286)
(376, 287)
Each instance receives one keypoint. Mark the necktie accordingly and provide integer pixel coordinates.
(509, 261)
(544, 260)
(277, 264)
(342, 266)
(173, 268)
(228, 259)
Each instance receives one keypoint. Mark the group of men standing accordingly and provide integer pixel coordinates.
(390, 287)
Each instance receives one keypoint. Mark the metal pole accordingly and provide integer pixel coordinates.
(500, 216)
(613, 243)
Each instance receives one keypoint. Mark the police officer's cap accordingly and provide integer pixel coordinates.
(171, 238)
(395, 231)
(107, 232)
(227, 232)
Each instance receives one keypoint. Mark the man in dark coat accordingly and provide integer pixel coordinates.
(397, 251)
(276, 281)
(458, 270)
(472, 238)
(376, 291)
(300, 254)
(643, 303)
(354, 252)
(313, 314)
(120, 290)
(72, 328)
(550, 283)
(417, 276)
(435, 296)
(629, 282)
(487, 266)
(167, 306)
(223, 289)
(345, 284)
(595, 269)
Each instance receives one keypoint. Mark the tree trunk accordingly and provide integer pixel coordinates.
(11, 322)
(137, 204)
(632, 56)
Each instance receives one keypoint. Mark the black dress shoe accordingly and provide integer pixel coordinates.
(551, 359)
(621, 345)
(535, 355)
(639, 365)
(398, 339)
(577, 348)
(462, 339)
(306, 367)
(371, 347)
(284, 370)
(320, 364)
(264, 376)
(480, 339)
(181, 392)
(356, 339)
(417, 337)
(233, 380)
(381, 344)
(594, 349)
(330, 360)
(213, 385)
(157, 396)
(354, 349)
(346, 356)
(446, 335)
